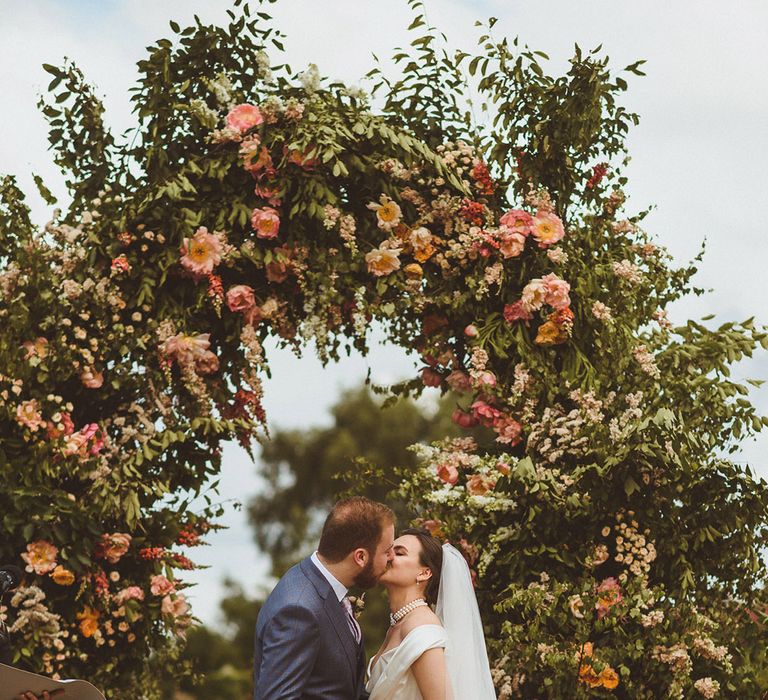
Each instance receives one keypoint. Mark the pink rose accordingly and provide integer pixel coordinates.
(547, 228)
(431, 378)
(266, 222)
(459, 381)
(516, 312)
(91, 379)
(485, 413)
(517, 221)
(448, 473)
(509, 430)
(240, 298)
(557, 294)
(161, 586)
(463, 419)
(244, 117)
(130, 593)
(471, 331)
(511, 244)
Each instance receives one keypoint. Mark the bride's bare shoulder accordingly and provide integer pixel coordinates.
(420, 616)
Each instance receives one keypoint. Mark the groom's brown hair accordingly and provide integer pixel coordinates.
(353, 523)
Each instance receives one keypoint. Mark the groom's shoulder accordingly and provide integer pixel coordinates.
(297, 588)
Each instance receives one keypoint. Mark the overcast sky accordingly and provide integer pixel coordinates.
(699, 154)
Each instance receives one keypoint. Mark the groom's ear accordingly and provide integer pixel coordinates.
(360, 557)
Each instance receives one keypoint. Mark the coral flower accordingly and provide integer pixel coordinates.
(129, 593)
(244, 117)
(383, 261)
(40, 557)
(388, 213)
(266, 222)
(28, 415)
(459, 382)
(509, 430)
(547, 229)
(463, 419)
(201, 253)
(486, 414)
(176, 607)
(431, 378)
(89, 621)
(62, 576)
(447, 473)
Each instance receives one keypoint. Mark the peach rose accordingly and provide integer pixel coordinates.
(421, 241)
(479, 485)
(534, 295)
(40, 557)
(243, 117)
(266, 222)
(547, 228)
(511, 244)
(113, 547)
(91, 379)
(383, 261)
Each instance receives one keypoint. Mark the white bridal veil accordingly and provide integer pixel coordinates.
(465, 654)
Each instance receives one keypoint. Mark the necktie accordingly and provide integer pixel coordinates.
(351, 621)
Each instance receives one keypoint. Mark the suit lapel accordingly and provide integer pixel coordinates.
(336, 614)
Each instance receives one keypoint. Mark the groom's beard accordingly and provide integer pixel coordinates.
(367, 578)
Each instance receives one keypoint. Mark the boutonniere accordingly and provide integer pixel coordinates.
(357, 603)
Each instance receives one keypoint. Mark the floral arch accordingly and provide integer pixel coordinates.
(251, 202)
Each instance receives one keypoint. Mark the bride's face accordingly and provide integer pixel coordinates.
(406, 566)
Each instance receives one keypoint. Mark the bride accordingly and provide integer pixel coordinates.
(430, 655)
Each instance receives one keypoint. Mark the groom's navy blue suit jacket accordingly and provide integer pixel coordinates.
(305, 649)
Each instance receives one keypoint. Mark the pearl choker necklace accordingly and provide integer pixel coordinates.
(398, 615)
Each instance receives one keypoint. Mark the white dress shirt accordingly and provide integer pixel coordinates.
(338, 587)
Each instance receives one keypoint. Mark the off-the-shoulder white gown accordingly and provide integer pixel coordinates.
(391, 677)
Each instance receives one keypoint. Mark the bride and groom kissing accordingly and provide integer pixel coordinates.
(309, 644)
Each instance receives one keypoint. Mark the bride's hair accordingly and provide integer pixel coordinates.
(431, 556)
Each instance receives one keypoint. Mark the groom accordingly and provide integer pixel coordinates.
(308, 643)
